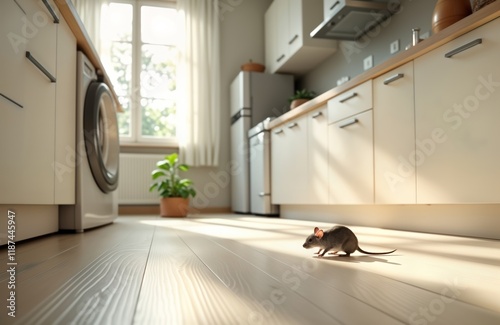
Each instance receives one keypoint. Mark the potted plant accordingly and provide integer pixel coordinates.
(172, 188)
(300, 97)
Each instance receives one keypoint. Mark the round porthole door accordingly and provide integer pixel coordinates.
(100, 127)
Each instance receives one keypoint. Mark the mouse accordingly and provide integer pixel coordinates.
(338, 238)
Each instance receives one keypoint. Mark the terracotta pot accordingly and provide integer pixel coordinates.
(297, 102)
(253, 67)
(448, 12)
(174, 207)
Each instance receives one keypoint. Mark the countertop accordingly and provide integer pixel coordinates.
(84, 43)
(476, 19)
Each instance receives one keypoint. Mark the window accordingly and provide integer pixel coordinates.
(138, 50)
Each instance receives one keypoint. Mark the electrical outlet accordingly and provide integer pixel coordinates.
(342, 80)
(368, 62)
(395, 46)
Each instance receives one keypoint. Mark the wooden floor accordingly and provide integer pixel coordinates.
(233, 269)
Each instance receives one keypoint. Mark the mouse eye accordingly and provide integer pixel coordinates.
(310, 239)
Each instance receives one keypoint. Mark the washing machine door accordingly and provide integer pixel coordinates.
(100, 129)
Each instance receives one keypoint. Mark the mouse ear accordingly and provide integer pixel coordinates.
(319, 233)
(316, 229)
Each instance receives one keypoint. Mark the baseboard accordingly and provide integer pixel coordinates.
(137, 209)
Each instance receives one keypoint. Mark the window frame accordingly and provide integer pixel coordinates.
(136, 139)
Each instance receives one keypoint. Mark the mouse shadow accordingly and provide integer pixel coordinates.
(357, 259)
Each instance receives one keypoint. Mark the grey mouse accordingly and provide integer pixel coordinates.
(338, 238)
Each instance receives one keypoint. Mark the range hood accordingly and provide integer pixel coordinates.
(351, 19)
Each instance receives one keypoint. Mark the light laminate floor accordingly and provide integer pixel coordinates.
(234, 269)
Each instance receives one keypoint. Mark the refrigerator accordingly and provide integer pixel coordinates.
(255, 96)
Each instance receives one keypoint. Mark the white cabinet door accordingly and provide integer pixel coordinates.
(12, 51)
(457, 91)
(295, 20)
(351, 102)
(289, 48)
(394, 136)
(28, 173)
(350, 160)
(289, 163)
(329, 7)
(317, 155)
(276, 33)
(65, 117)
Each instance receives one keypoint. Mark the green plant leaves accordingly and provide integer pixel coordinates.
(168, 181)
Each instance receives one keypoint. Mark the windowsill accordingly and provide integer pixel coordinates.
(136, 147)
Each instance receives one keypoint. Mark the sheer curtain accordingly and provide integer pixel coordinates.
(90, 14)
(198, 83)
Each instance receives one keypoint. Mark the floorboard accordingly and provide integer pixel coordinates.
(233, 269)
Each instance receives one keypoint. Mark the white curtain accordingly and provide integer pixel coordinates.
(90, 14)
(198, 83)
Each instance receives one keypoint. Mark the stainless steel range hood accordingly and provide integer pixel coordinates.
(351, 19)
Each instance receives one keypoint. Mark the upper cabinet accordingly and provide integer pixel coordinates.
(457, 91)
(289, 48)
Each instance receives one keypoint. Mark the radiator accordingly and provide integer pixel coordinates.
(135, 178)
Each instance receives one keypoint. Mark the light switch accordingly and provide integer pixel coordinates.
(368, 62)
(395, 46)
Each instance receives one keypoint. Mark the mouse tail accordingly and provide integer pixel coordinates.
(372, 253)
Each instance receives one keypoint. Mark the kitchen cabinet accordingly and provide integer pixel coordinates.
(394, 136)
(65, 118)
(29, 135)
(328, 7)
(350, 143)
(317, 156)
(457, 91)
(299, 160)
(350, 146)
(289, 157)
(11, 56)
(289, 47)
(351, 102)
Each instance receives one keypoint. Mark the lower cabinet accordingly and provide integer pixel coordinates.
(289, 163)
(299, 155)
(457, 96)
(394, 137)
(38, 137)
(317, 156)
(350, 157)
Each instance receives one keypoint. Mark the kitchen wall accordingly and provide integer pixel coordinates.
(348, 60)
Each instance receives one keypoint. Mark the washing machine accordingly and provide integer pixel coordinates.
(97, 154)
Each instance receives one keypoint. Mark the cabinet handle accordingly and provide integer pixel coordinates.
(351, 122)
(292, 125)
(463, 48)
(280, 58)
(51, 11)
(262, 194)
(40, 67)
(278, 131)
(348, 97)
(317, 114)
(334, 5)
(11, 100)
(393, 78)
(293, 39)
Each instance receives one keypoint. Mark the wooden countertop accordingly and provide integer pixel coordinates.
(84, 43)
(476, 19)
